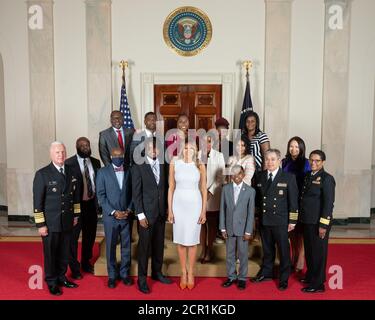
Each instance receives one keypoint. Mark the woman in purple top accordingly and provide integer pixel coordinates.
(295, 162)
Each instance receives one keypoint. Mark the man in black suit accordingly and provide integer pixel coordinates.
(86, 168)
(316, 207)
(113, 189)
(139, 137)
(149, 184)
(56, 210)
(277, 199)
(117, 136)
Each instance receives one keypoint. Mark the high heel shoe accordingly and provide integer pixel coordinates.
(183, 282)
(190, 284)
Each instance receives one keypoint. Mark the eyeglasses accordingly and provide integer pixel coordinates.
(315, 160)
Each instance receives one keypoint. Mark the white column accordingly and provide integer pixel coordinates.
(42, 78)
(99, 79)
(335, 105)
(277, 71)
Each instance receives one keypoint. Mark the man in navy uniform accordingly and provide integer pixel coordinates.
(277, 199)
(316, 206)
(56, 210)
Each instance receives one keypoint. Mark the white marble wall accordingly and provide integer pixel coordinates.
(42, 82)
(98, 50)
(353, 187)
(19, 191)
(277, 70)
(3, 145)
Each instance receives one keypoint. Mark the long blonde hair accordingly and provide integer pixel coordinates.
(195, 156)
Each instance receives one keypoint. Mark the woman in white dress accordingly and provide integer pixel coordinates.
(187, 198)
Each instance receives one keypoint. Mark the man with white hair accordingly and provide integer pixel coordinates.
(56, 209)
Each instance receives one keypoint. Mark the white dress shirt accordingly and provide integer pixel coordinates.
(120, 179)
(152, 162)
(91, 173)
(58, 167)
(274, 173)
(122, 134)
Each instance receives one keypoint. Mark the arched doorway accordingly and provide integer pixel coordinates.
(3, 148)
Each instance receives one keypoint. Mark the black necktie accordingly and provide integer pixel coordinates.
(269, 182)
(88, 179)
(62, 171)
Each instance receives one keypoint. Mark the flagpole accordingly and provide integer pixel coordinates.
(123, 64)
(247, 64)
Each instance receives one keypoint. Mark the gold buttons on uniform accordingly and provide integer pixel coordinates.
(264, 197)
(264, 210)
(274, 199)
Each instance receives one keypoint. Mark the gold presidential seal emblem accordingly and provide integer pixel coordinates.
(187, 30)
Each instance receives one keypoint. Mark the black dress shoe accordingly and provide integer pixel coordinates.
(55, 290)
(260, 279)
(228, 283)
(111, 283)
(68, 284)
(313, 290)
(127, 281)
(283, 286)
(241, 284)
(77, 275)
(88, 268)
(161, 278)
(143, 287)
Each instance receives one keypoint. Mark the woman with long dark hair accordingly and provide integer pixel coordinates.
(295, 162)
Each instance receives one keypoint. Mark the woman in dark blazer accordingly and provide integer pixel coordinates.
(295, 162)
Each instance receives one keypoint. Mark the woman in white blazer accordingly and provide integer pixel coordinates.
(215, 165)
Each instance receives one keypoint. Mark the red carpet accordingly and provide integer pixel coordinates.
(356, 260)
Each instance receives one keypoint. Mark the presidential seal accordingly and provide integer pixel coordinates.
(187, 30)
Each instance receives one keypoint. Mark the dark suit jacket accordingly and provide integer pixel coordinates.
(73, 163)
(109, 194)
(148, 197)
(56, 198)
(279, 205)
(317, 199)
(108, 141)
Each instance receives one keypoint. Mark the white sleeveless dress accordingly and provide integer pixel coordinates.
(187, 204)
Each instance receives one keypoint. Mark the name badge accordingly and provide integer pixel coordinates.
(52, 183)
(282, 185)
(281, 192)
(316, 182)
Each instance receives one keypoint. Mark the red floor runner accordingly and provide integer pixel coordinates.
(357, 262)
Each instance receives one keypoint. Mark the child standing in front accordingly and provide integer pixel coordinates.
(236, 225)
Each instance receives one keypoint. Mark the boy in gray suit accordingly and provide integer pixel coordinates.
(236, 225)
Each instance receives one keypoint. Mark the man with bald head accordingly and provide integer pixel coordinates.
(114, 192)
(86, 168)
(116, 136)
(56, 210)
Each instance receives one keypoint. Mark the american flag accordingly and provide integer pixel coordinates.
(247, 103)
(124, 107)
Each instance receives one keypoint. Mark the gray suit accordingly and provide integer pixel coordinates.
(237, 219)
(108, 141)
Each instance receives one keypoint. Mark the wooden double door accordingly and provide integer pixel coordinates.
(201, 103)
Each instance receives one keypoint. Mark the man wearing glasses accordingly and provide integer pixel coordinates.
(316, 206)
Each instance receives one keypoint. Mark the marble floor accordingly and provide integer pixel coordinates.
(18, 228)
